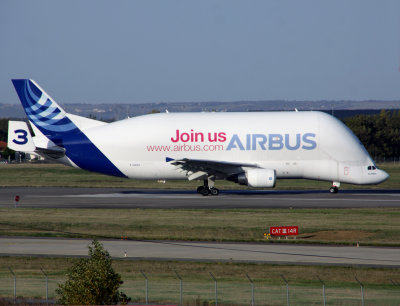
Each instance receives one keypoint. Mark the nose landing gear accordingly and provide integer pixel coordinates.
(335, 187)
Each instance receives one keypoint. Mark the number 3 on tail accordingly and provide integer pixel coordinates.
(21, 136)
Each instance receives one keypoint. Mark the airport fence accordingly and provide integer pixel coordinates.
(174, 289)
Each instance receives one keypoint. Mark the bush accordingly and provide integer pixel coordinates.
(92, 281)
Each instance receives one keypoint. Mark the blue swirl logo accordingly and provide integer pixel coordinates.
(43, 111)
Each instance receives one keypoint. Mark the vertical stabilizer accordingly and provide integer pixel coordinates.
(42, 110)
(55, 124)
(19, 137)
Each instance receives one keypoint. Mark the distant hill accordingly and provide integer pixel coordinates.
(340, 109)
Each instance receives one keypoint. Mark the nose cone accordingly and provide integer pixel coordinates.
(382, 176)
(374, 176)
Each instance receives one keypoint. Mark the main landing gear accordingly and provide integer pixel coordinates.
(335, 187)
(208, 188)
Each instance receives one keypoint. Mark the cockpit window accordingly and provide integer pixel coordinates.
(371, 168)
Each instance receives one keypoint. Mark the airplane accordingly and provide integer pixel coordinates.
(249, 148)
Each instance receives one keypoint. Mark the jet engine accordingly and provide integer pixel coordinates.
(256, 178)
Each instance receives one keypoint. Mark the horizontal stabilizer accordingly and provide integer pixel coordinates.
(53, 152)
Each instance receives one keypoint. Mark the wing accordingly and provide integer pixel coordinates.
(203, 168)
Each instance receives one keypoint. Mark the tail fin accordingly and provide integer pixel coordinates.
(65, 130)
(19, 137)
(42, 110)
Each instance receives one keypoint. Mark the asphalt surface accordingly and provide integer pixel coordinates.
(64, 197)
(207, 251)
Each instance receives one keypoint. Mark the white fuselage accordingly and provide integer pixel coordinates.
(310, 145)
(251, 149)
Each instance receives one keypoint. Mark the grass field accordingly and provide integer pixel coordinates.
(59, 175)
(372, 226)
(375, 226)
(234, 287)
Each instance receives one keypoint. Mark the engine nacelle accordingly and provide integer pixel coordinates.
(257, 178)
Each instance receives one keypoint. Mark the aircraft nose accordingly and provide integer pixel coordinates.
(383, 176)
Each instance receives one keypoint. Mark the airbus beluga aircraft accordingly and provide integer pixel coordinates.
(253, 149)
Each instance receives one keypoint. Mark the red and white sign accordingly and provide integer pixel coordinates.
(17, 198)
(283, 230)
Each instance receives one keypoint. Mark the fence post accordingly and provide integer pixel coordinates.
(362, 290)
(15, 285)
(287, 289)
(323, 289)
(180, 288)
(252, 289)
(147, 287)
(394, 283)
(216, 288)
(47, 286)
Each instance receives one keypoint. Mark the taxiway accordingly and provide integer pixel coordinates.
(207, 251)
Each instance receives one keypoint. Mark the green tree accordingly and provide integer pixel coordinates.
(3, 129)
(92, 280)
(7, 152)
(379, 133)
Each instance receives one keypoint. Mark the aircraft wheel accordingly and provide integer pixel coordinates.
(333, 189)
(205, 191)
(200, 189)
(214, 191)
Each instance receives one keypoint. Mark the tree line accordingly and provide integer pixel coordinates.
(3, 137)
(380, 133)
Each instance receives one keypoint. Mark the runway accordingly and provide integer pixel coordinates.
(64, 197)
(207, 251)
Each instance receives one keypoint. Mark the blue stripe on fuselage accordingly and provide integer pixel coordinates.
(85, 154)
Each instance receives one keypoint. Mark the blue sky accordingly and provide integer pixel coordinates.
(174, 51)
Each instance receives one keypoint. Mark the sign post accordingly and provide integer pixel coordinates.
(15, 285)
(16, 200)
